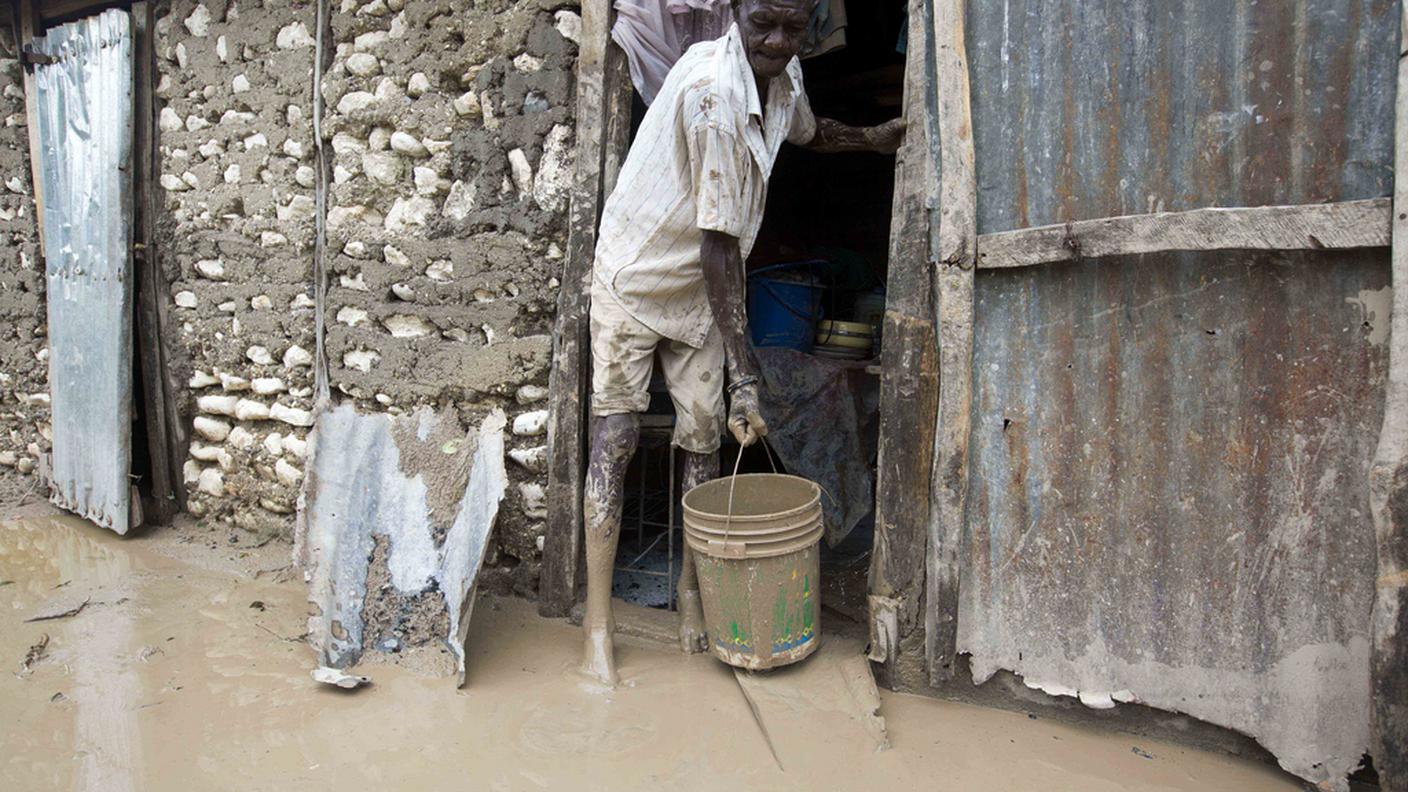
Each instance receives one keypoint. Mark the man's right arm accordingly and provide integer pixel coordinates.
(723, 280)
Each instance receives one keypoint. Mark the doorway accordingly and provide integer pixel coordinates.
(827, 223)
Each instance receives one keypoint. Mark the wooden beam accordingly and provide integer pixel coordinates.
(29, 28)
(567, 384)
(1333, 226)
(953, 303)
(1388, 490)
(165, 457)
(909, 383)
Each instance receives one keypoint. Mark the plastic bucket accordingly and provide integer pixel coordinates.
(782, 313)
(755, 539)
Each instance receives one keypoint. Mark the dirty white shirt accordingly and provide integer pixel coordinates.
(700, 161)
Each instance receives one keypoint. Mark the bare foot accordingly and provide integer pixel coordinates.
(598, 659)
(692, 634)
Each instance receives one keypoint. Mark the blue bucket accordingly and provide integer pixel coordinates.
(783, 313)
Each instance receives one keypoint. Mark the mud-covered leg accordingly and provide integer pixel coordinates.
(698, 468)
(614, 440)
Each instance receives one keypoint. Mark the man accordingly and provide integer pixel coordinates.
(669, 276)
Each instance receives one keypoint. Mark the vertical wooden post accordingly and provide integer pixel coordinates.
(1388, 489)
(956, 252)
(567, 384)
(29, 28)
(909, 380)
(165, 446)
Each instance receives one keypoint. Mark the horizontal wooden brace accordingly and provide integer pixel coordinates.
(1331, 226)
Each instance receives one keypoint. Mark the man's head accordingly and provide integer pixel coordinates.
(773, 32)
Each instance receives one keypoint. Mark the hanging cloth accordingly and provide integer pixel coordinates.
(827, 30)
(655, 33)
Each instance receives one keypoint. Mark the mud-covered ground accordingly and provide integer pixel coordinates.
(183, 668)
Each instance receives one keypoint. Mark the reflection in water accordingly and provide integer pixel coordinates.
(59, 554)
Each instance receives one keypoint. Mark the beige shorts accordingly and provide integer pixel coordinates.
(623, 353)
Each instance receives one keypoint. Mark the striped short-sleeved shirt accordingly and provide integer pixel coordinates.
(700, 161)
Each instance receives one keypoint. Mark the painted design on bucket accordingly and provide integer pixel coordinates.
(737, 639)
(793, 627)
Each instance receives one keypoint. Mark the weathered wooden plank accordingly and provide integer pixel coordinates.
(162, 453)
(1334, 226)
(567, 384)
(29, 28)
(909, 380)
(953, 306)
(1388, 489)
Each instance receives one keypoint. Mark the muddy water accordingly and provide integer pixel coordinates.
(168, 679)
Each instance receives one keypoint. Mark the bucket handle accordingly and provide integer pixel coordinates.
(733, 482)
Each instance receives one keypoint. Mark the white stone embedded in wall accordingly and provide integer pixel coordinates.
(405, 143)
(287, 473)
(292, 416)
(214, 269)
(211, 482)
(461, 200)
(200, 379)
(360, 359)
(268, 386)
(408, 213)
(259, 355)
(363, 64)
(274, 444)
(418, 85)
(382, 167)
(250, 410)
(231, 382)
(521, 170)
(198, 22)
(531, 393)
(531, 424)
(240, 84)
(211, 429)
(217, 405)
(296, 357)
(294, 36)
(296, 445)
(403, 292)
(355, 101)
(395, 257)
(169, 121)
(185, 299)
(440, 270)
(553, 183)
(534, 499)
(242, 438)
(569, 24)
(407, 326)
(534, 460)
(351, 316)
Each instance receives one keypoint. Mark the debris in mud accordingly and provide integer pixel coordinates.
(36, 653)
(1141, 752)
(148, 652)
(339, 678)
(58, 698)
(257, 605)
(61, 609)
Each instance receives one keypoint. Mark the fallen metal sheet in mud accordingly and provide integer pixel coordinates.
(381, 476)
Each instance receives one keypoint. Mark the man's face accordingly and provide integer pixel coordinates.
(773, 32)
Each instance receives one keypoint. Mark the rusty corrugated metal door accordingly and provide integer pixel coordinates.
(84, 89)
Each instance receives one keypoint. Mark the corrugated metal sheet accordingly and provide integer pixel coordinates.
(85, 133)
(1168, 492)
(430, 493)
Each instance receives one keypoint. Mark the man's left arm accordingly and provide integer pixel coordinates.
(833, 137)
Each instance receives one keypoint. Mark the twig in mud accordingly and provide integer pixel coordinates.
(74, 611)
(34, 655)
(297, 639)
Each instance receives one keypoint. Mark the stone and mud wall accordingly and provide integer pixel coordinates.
(24, 387)
(449, 132)
(446, 143)
(236, 244)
